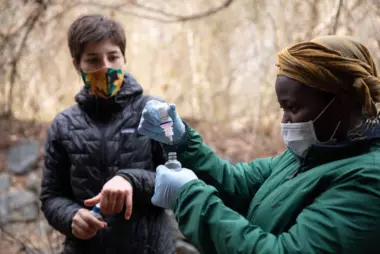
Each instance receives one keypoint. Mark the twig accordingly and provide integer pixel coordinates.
(314, 17)
(16, 58)
(335, 22)
(18, 29)
(204, 14)
(275, 29)
(169, 17)
(151, 9)
(59, 14)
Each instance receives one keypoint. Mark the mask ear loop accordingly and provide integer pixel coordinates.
(324, 110)
(336, 129)
(337, 126)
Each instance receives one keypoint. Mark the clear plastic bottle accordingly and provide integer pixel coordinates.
(96, 212)
(172, 162)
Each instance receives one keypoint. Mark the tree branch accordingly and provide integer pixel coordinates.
(59, 14)
(18, 29)
(335, 22)
(204, 14)
(154, 10)
(14, 63)
(166, 16)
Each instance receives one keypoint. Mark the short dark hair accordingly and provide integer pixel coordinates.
(94, 28)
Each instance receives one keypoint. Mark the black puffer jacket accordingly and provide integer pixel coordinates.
(87, 145)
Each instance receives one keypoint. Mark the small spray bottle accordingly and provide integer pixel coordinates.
(96, 212)
(166, 121)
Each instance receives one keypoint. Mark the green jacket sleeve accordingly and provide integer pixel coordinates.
(345, 219)
(237, 183)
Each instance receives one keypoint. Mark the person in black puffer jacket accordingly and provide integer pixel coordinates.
(94, 154)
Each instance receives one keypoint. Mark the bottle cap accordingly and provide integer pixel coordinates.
(96, 208)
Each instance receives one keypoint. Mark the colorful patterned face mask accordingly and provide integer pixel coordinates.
(105, 82)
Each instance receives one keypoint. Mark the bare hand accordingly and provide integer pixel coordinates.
(84, 225)
(115, 193)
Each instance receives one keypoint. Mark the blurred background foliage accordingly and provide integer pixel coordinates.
(214, 58)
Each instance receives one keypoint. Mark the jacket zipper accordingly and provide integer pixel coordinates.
(103, 157)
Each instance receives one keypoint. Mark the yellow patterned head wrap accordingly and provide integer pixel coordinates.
(334, 64)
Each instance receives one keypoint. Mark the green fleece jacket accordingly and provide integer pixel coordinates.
(328, 202)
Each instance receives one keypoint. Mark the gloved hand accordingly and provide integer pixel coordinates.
(150, 123)
(168, 183)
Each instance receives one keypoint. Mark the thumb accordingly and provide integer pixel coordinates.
(172, 112)
(92, 201)
(155, 200)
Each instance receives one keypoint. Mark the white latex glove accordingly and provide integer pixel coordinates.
(168, 183)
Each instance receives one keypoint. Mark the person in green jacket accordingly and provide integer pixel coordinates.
(321, 195)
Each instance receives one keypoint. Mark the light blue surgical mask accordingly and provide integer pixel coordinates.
(298, 137)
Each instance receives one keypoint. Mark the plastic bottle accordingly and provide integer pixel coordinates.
(96, 212)
(166, 121)
(172, 162)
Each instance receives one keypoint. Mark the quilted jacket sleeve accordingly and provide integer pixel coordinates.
(236, 183)
(142, 182)
(55, 197)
